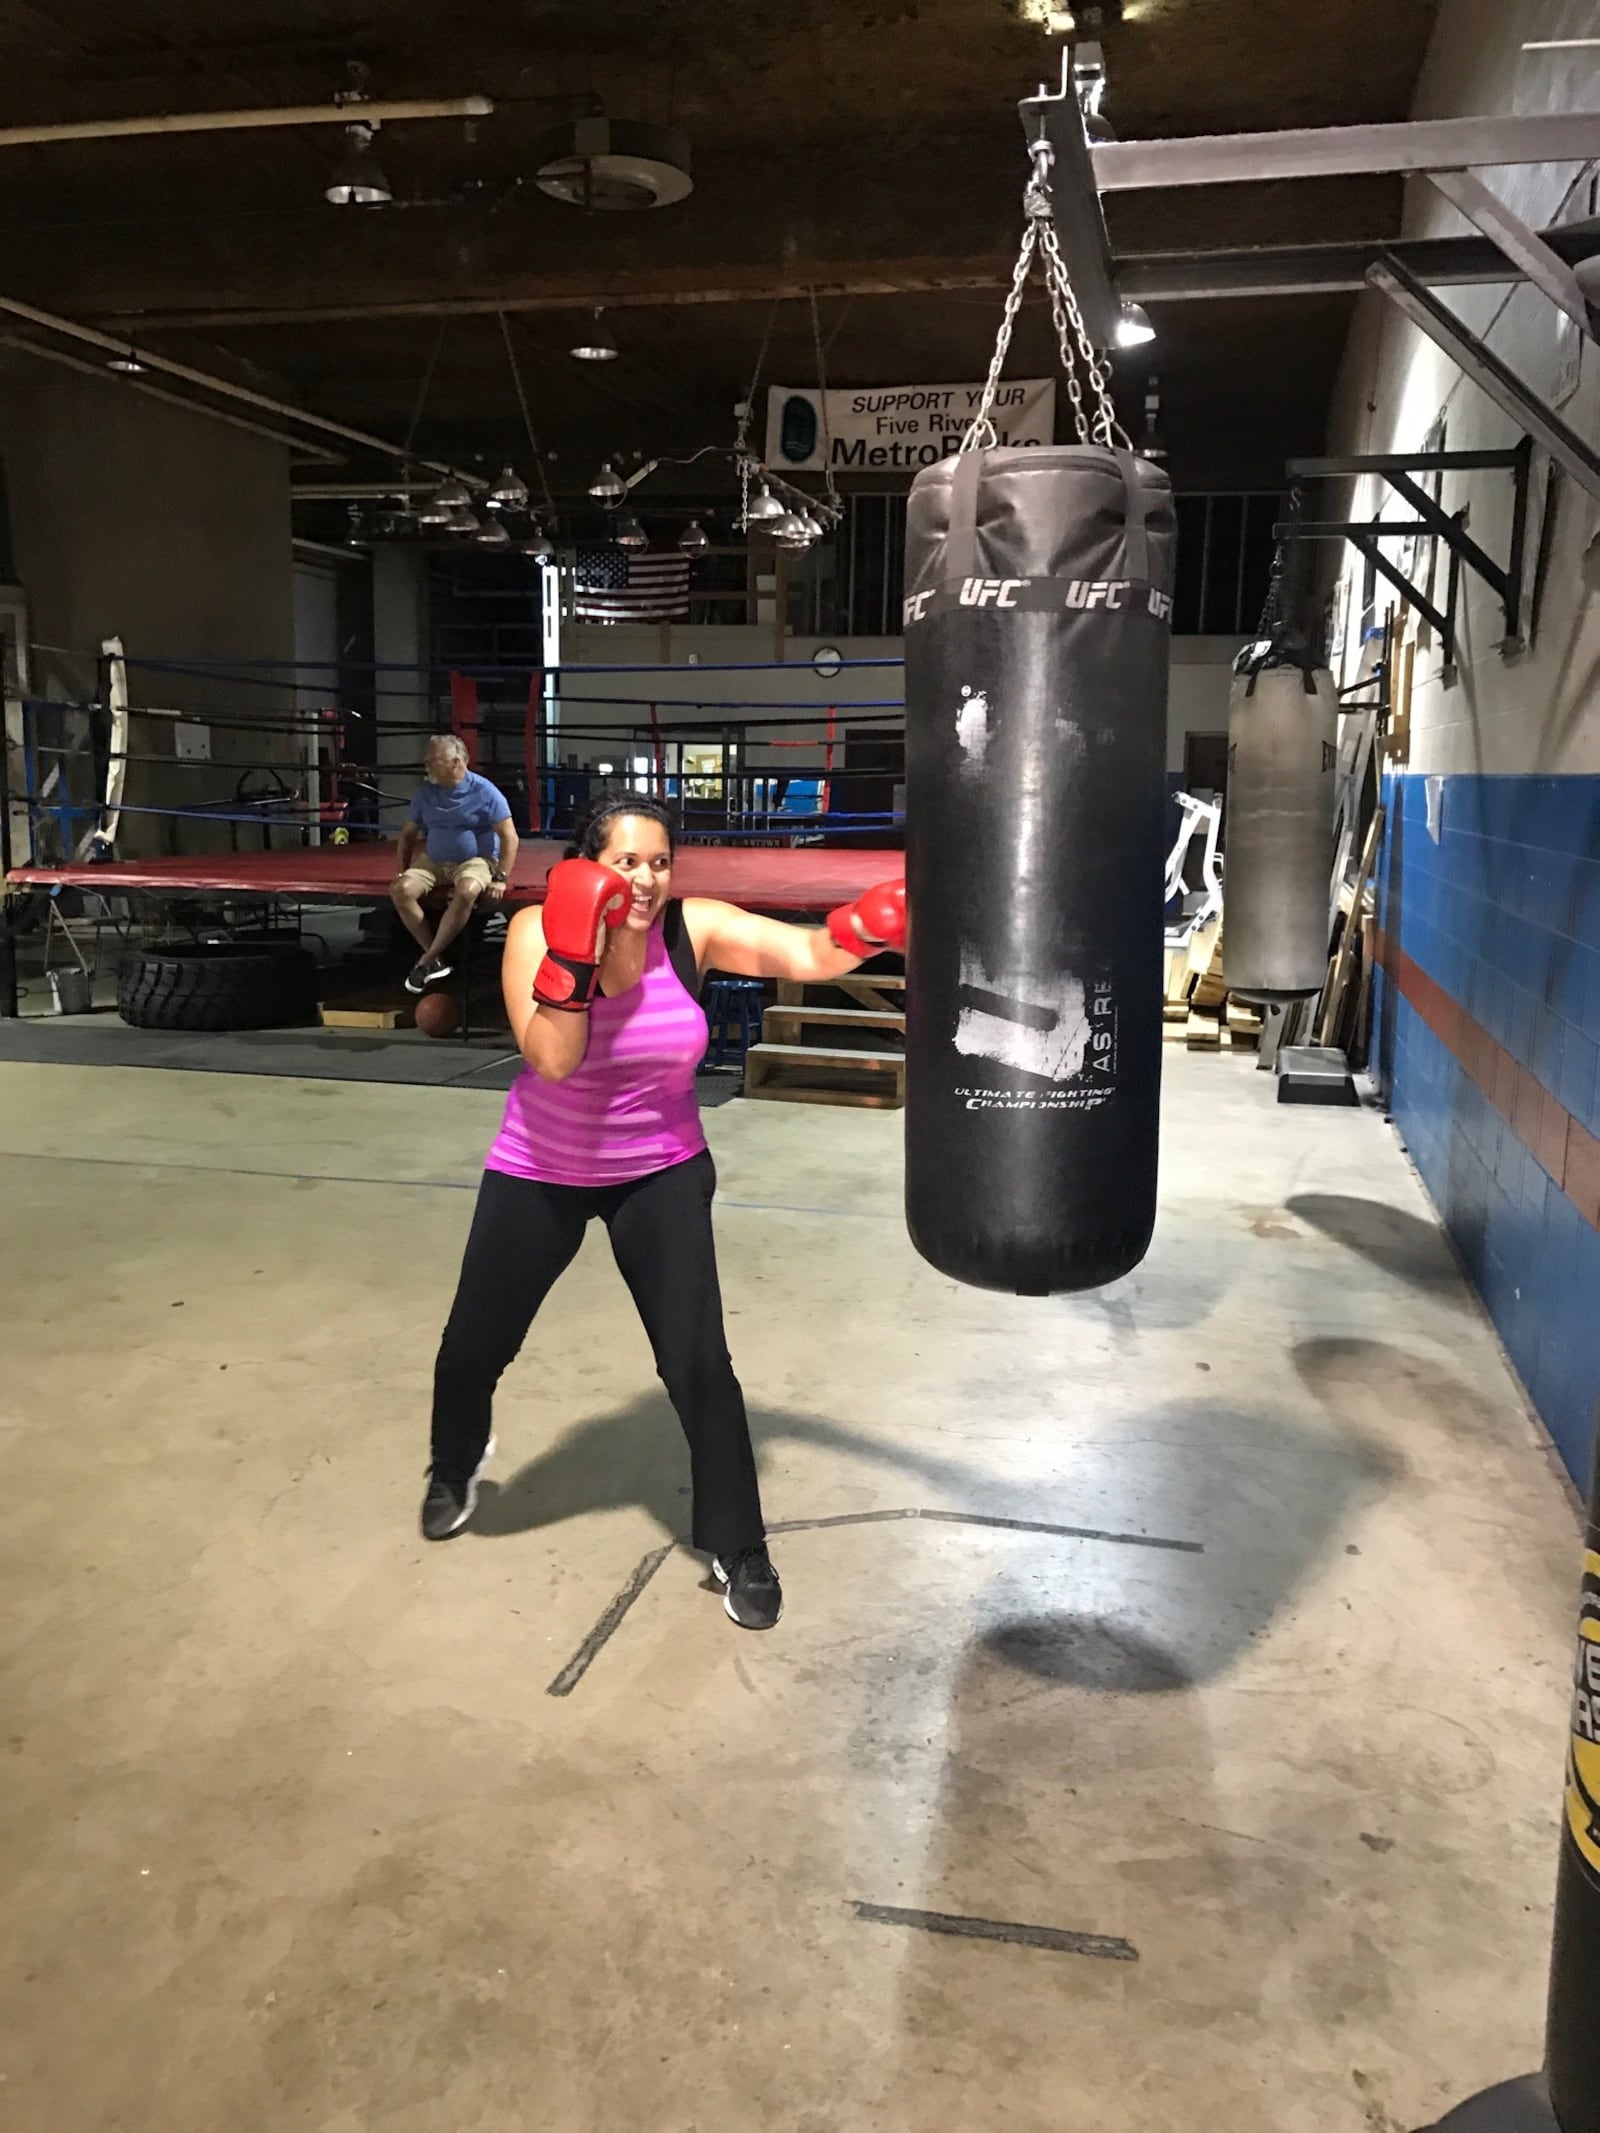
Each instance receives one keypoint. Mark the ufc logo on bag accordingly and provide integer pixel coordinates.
(1090, 592)
(991, 592)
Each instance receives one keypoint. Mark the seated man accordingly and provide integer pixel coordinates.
(468, 845)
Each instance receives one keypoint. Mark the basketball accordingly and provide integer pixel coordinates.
(437, 1014)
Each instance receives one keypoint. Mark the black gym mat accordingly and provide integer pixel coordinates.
(403, 1057)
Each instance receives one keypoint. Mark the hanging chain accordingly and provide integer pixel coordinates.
(829, 488)
(1080, 361)
(981, 429)
(1272, 606)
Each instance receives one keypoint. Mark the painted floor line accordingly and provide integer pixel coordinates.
(1058, 1940)
(618, 1607)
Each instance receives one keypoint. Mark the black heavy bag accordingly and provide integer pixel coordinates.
(1572, 2042)
(1038, 609)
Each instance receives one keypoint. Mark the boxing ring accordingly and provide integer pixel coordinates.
(805, 880)
(247, 787)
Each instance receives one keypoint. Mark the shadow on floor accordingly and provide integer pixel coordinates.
(1402, 1244)
(1203, 1473)
(1369, 1384)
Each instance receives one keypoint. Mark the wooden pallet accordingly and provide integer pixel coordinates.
(811, 1074)
(782, 1025)
(887, 995)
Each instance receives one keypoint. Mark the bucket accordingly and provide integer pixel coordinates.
(72, 991)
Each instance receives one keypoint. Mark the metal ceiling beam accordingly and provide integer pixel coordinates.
(1528, 252)
(1055, 119)
(298, 445)
(1488, 373)
(1326, 269)
(1347, 151)
(223, 388)
(1143, 277)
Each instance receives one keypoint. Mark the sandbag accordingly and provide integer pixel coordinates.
(1038, 614)
(1283, 722)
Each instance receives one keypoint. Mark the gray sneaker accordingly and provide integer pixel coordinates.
(449, 1504)
(751, 1594)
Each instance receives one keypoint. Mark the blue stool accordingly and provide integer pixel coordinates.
(733, 1015)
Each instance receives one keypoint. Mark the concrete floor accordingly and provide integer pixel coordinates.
(294, 1836)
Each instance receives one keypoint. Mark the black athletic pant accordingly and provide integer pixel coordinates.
(524, 1236)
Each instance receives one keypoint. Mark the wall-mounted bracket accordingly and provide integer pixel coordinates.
(1400, 471)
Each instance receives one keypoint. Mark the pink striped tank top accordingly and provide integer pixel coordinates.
(631, 1107)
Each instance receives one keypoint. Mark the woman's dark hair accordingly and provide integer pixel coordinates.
(589, 838)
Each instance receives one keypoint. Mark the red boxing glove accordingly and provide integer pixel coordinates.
(882, 914)
(580, 899)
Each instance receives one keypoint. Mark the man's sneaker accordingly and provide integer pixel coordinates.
(449, 1504)
(427, 971)
(752, 1595)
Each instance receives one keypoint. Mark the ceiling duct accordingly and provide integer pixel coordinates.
(616, 164)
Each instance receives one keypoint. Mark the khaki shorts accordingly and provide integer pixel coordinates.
(425, 874)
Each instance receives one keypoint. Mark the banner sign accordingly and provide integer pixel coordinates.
(880, 428)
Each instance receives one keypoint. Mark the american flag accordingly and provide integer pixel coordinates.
(630, 585)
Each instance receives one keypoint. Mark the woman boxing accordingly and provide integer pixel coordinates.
(600, 985)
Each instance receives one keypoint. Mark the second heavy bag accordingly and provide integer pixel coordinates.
(1038, 613)
(1278, 851)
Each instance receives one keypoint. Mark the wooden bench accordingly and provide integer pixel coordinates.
(887, 995)
(812, 1074)
(782, 1025)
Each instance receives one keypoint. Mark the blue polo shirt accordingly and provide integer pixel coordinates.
(460, 819)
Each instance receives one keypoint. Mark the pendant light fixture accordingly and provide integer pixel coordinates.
(1134, 327)
(538, 547)
(358, 179)
(628, 533)
(608, 487)
(694, 540)
(596, 343)
(491, 534)
(510, 492)
(765, 509)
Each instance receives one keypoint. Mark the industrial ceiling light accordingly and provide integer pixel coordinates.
(435, 512)
(628, 532)
(694, 540)
(491, 534)
(1134, 327)
(130, 364)
(510, 492)
(358, 179)
(538, 547)
(788, 526)
(462, 522)
(765, 508)
(596, 343)
(451, 495)
(608, 487)
(812, 527)
(616, 164)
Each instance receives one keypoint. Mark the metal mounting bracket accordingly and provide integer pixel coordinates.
(1487, 372)
(1054, 117)
(1400, 470)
